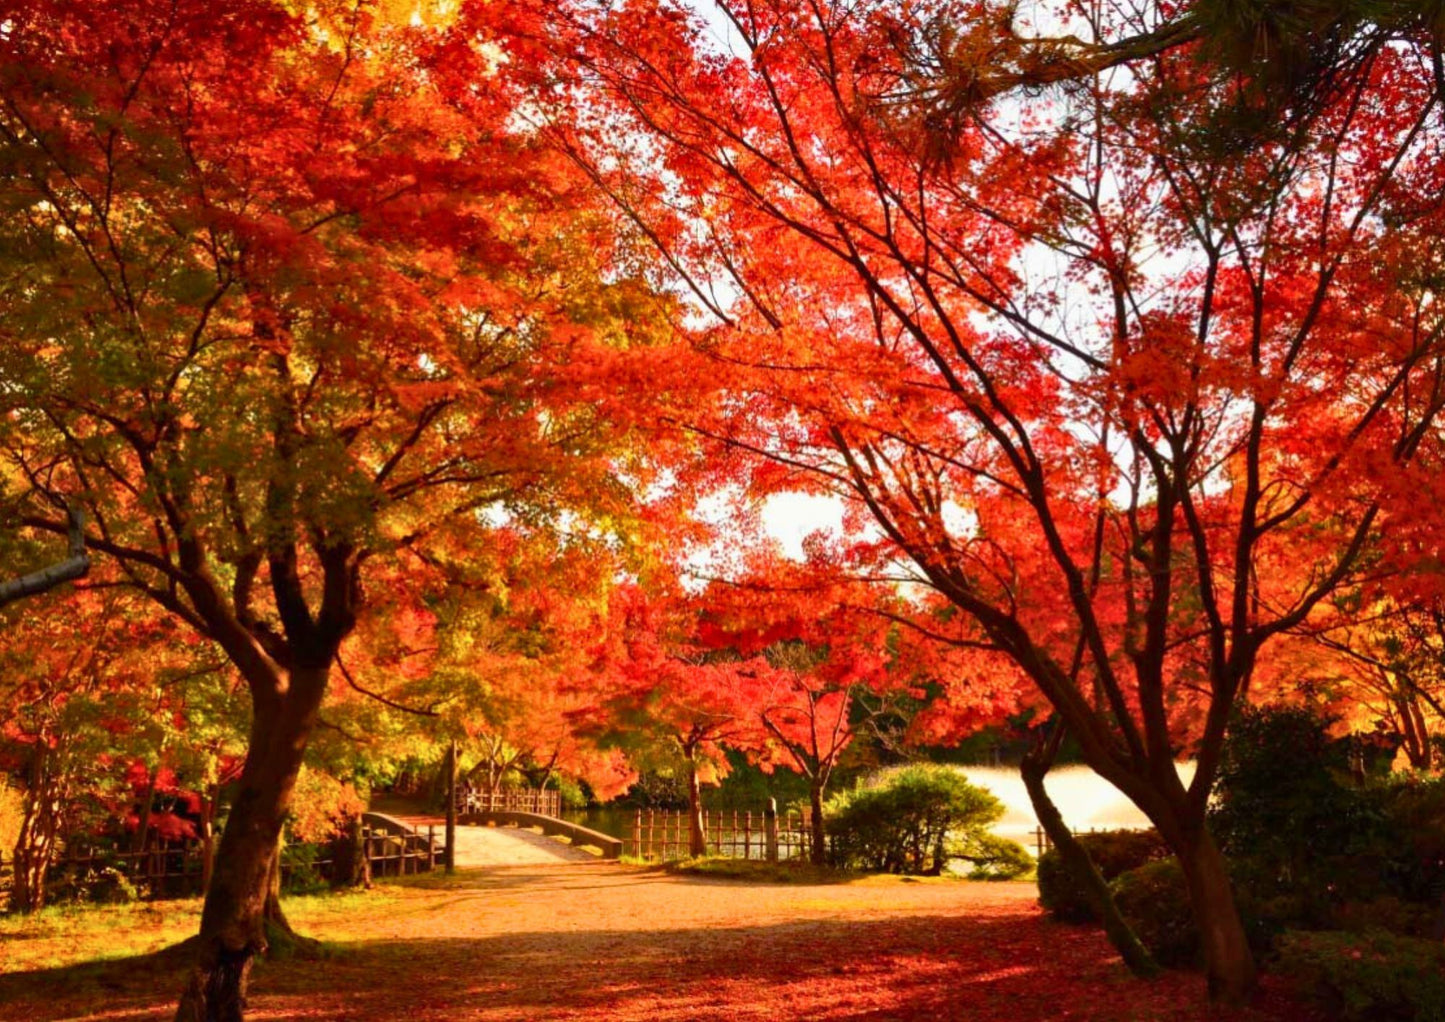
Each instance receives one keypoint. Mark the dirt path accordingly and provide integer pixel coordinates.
(616, 943)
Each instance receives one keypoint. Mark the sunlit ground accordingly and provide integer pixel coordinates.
(616, 942)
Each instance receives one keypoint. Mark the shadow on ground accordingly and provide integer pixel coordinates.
(1005, 965)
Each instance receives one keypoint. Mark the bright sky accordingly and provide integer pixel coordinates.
(791, 517)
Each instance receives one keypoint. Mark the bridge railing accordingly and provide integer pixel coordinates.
(396, 848)
(517, 800)
(609, 846)
(175, 869)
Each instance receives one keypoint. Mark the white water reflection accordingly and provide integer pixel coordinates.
(1085, 800)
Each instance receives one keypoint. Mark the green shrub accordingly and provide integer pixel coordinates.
(1414, 845)
(1310, 848)
(570, 793)
(109, 886)
(300, 873)
(1113, 851)
(1289, 819)
(913, 820)
(1406, 918)
(1370, 977)
(993, 857)
(1154, 899)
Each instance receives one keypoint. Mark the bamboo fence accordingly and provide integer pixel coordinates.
(663, 835)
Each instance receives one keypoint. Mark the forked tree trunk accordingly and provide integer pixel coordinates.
(235, 917)
(1082, 871)
(697, 830)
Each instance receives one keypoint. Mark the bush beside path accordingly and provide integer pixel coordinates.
(614, 942)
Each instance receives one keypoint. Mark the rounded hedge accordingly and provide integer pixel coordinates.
(1154, 900)
(1114, 852)
(914, 820)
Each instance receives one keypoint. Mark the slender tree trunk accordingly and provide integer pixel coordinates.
(1229, 963)
(1426, 752)
(1083, 871)
(208, 837)
(234, 919)
(143, 824)
(449, 855)
(697, 831)
(819, 852)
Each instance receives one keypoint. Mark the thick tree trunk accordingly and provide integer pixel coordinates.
(33, 849)
(352, 868)
(697, 831)
(281, 940)
(1228, 961)
(39, 825)
(234, 919)
(818, 846)
(1084, 873)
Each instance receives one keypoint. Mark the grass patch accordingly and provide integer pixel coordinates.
(64, 935)
(61, 936)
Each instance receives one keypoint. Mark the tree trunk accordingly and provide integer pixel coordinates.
(35, 843)
(208, 837)
(351, 867)
(235, 916)
(449, 855)
(818, 849)
(1228, 961)
(697, 831)
(1084, 873)
(143, 824)
(281, 940)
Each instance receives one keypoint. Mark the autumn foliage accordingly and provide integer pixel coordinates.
(400, 361)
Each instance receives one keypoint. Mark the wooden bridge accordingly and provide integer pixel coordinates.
(610, 847)
(530, 808)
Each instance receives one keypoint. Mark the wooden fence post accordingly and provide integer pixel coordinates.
(770, 829)
(637, 835)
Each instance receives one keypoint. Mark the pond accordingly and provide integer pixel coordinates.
(1086, 801)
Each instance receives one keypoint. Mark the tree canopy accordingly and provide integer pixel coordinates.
(393, 367)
